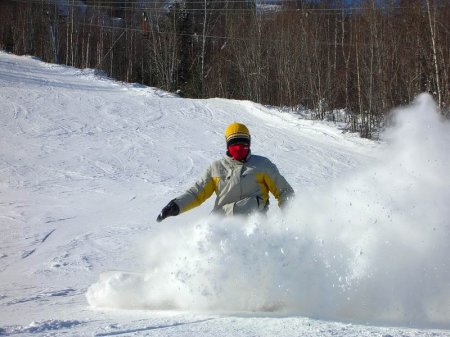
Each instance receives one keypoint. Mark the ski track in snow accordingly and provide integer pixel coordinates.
(86, 164)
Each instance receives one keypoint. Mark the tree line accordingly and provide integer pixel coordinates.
(318, 55)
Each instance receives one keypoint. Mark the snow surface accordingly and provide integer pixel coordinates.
(87, 163)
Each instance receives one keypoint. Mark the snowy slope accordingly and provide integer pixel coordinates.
(87, 163)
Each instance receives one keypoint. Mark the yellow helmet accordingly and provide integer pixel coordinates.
(237, 133)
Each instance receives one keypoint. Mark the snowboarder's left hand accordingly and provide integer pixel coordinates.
(171, 209)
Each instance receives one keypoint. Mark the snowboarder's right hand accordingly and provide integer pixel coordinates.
(171, 209)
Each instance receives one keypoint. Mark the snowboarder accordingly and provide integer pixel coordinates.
(241, 181)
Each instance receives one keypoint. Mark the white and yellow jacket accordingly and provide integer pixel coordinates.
(241, 187)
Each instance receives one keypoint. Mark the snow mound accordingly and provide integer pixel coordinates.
(50, 325)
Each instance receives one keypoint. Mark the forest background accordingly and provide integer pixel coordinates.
(339, 61)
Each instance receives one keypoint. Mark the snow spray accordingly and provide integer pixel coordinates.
(373, 248)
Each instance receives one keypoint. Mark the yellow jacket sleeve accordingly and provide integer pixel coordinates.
(198, 193)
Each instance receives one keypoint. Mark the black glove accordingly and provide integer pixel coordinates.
(171, 209)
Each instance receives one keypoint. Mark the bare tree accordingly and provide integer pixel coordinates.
(432, 23)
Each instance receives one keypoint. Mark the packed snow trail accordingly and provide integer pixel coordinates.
(86, 164)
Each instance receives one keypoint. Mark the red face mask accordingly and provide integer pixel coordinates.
(239, 151)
